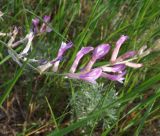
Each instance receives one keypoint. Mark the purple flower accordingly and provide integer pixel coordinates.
(44, 27)
(98, 53)
(46, 18)
(89, 76)
(35, 23)
(80, 54)
(64, 47)
(121, 40)
(127, 55)
(114, 77)
(116, 68)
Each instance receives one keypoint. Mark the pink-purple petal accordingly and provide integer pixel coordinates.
(100, 51)
(121, 40)
(64, 47)
(92, 75)
(84, 50)
(35, 23)
(80, 54)
(115, 68)
(89, 76)
(46, 18)
(44, 27)
(114, 77)
(126, 55)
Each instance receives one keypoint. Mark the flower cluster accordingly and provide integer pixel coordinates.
(22, 56)
(115, 70)
(44, 27)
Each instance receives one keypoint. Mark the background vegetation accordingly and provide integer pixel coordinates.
(33, 104)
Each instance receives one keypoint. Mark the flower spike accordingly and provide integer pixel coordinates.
(114, 69)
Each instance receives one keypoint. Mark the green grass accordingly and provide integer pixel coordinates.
(45, 100)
